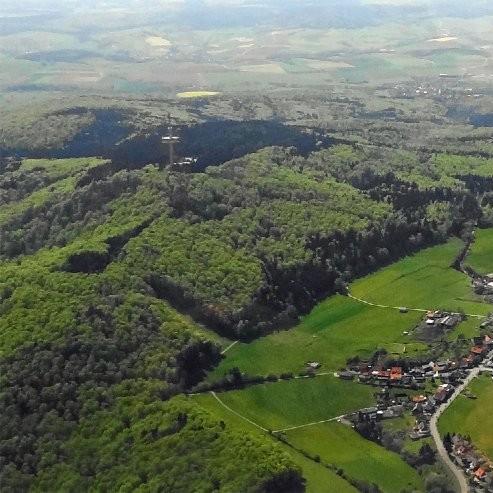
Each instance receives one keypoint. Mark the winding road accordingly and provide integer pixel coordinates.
(454, 469)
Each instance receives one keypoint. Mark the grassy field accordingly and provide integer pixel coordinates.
(318, 478)
(473, 417)
(338, 328)
(361, 459)
(480, 257)
(424, 280)
(285, 404)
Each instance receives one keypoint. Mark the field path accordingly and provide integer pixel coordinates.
(238, 414)
(310, 424)
(260, 427)
(224, 351)
(421, 310)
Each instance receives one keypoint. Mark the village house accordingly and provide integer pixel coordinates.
(480, 474)
(430, 405)
(479, 350)
(396, 373)
(367, 414)
(421, 430)
(441, 366)
(346, 375)
(443, 392)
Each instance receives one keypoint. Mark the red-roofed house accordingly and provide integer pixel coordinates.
(396, 373)
(478, 350)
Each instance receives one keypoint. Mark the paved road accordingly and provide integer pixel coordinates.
(455, 470)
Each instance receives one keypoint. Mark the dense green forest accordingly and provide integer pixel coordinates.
(121, 279)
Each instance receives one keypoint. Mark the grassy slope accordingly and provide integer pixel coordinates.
(336, 329)
(298, 402)
(473, 417)
(424, 280)
(359, 458)
(480, 257)
(318, 478)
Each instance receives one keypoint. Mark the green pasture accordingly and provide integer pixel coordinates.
(290, 403)
(425, 280)
(360, 459)
(339, 327)
(336, 329)
(472, 417)
(480, 257)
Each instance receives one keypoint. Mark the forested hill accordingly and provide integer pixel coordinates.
(118, 284)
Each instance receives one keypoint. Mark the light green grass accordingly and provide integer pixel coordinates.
(318, 478)
(472, 417)
(424, 280)
(480, 257)
(337, 329)
(284, 404)
(361, 459)
(56, 168)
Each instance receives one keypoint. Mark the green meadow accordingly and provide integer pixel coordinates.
(425, 280)
(360, 459)
(480, 257)
(337, 329)
(472, 417)
(284, 404)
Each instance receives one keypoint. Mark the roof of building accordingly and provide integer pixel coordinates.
(478, 350)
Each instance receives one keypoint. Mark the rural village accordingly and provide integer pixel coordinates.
(440, 382)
